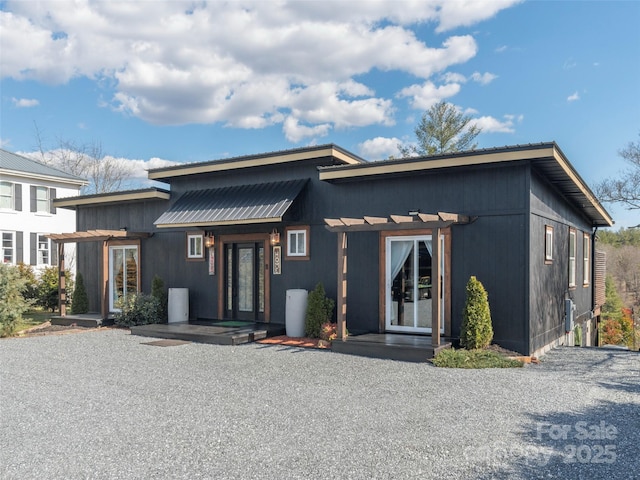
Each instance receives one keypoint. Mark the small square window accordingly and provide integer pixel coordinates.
(298, 243)
(195, 246)
(548, 244)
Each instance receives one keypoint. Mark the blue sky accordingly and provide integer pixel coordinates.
(184, 81)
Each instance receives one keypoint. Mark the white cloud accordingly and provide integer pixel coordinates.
(294, 63)
(573, 97)
(483, 78)
(501, 49)
(490, 124)
(379, 148)
(425, 95)
(25, 102)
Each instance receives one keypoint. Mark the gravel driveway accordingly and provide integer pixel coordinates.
(102, 404)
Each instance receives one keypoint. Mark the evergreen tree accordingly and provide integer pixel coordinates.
(477, 331)
(80, 302)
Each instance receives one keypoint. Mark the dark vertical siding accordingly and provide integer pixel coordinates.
(550, 282)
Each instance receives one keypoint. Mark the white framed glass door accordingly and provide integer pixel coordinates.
(408, 283)
(123, 274)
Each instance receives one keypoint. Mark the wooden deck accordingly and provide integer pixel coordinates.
(213, 332)
(394, 346)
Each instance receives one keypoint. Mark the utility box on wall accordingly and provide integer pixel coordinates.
(178, 305)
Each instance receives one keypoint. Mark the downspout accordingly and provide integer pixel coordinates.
(594, 235)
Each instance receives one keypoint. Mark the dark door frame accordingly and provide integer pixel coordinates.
(223, 241)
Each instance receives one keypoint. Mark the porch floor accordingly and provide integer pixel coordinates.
(394, 346)
(81, 320)
(218, 332)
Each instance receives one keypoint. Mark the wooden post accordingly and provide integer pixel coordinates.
(104, 304)
(342, 286)
(62, 288)
(436, 287)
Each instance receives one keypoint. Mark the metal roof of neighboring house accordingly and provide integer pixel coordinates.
(23, 166)
(259, 203)
(339, 155)
(545, 158)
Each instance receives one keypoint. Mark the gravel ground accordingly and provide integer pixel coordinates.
(103, 405)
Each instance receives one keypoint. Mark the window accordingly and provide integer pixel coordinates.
(548, 244)
(586, 259)
(42, 200)
(8, 247)
(298, 243)
(6, 195)
(195, 246)
(572, 258)
(44, 248)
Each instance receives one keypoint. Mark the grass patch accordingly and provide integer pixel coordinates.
(451, 358)
(32, 319)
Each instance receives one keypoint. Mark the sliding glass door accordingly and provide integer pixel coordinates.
(409, 283)
(123, 274)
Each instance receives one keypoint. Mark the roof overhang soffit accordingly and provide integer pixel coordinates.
(396, 222)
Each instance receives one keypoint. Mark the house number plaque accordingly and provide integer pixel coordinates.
(277, 260)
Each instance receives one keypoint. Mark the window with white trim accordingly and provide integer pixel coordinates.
(586, 259)
(548, 244)
(8, 247)
(195, 245)
(42, 200)
(572, 258)
(7, 201)
(297, 243)
(44, 250)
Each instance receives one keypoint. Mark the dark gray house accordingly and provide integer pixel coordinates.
(238, 233)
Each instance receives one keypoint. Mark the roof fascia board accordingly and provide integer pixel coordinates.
(575, 178)
(383, 168)
(71, 202)
(39, 176)
(257, 161)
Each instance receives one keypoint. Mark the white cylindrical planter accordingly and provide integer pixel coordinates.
(178, 305)
(296, 311)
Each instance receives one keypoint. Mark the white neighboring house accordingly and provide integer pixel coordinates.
(27, 190)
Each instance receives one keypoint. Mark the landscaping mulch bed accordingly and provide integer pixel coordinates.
(47, 329)
(292, 341)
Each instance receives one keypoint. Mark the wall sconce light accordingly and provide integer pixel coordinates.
(413, 212)
(274, 237)
(209, 240)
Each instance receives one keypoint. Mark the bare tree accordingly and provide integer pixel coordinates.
(442, 129)
(624, 189)
(104, 173)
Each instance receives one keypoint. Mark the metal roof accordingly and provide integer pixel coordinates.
(20, 165)
(258, 203)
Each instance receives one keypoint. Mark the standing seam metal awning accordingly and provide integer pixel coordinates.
(258, 203)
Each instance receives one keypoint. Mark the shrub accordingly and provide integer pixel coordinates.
(80, 300)
(47, 291)
(12, 302)
(140, 309)
(319, 311)
(476, 331)
(160, 293)
(30, 291)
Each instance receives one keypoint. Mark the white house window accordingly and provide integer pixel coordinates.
(8, 247)
(297, 242)
(6, 195)
(572, 258)
(195, 246)
(548, 244)
(44, 248)
(42, 200)
(586, 257)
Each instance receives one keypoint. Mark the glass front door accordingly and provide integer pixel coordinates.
(245, 281)
(409, 283)
(123, 274)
